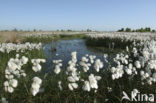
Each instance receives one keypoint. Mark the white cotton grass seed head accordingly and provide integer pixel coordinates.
(58, 65)
(10, 89)
(60, 85)
(72, 86)
(24, 60)
(36, 64)
(137, 64)
(35, 87)
(14, 83)
(6, 83)
(98, 65)
(34, 91)
(3, 99)
(86, 86)
(37, 80)
(93, 81)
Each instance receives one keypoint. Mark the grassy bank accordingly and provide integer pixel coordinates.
(111, 43)
(50, 38)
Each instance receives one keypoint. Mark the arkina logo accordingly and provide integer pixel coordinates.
(137, 96)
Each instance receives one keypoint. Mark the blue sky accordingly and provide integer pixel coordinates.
(105, 15)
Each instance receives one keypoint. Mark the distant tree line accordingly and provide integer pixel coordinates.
(147, 29)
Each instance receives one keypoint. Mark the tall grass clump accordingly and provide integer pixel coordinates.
(112, 43)
(116, 39)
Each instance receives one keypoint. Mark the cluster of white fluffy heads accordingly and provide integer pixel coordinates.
(87, 61)
(74, 75)
(92, 83)
(144, 64)
(58, 65)
(124, 65)
(13, 71)
(147, 61)
(118, 71)
(98, 65)
(35, 86)
(123, 36)
(84, 63)
(8, 47)
(36, 64)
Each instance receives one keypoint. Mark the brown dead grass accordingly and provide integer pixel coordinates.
(11, 36)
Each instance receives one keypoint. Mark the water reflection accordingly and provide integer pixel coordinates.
(65, 47)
